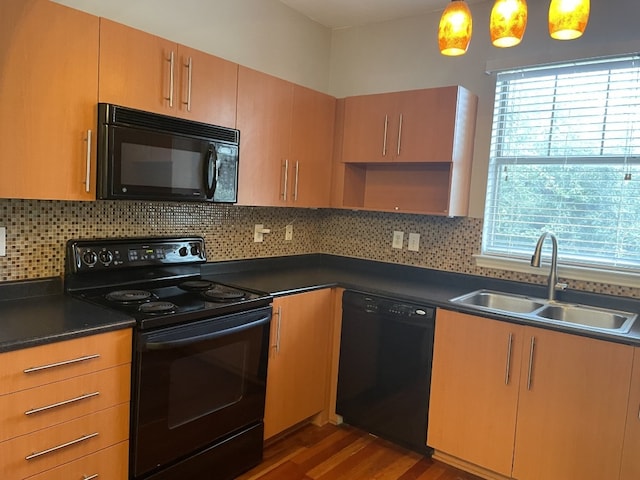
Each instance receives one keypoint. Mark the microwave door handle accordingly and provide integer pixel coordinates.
(210, 172)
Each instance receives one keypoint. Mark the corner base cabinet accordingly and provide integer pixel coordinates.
(299, 361)
(527, 403)
(407, 152)
(64, 409)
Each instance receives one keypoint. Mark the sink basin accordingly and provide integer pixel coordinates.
(541, 310)
(588, 316)
(505, 302)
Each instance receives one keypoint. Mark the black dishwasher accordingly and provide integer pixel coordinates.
(384, 376)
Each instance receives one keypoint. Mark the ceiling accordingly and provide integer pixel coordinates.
(349, 13)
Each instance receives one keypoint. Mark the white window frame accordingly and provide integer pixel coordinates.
(518, 260)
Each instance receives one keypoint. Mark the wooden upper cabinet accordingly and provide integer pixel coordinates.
(311, 148)
(48, 85)
(264, 120)
(474, 389)
(147, 72)
(429, 125)
(572, 407)
(630, 457)
(286, 142)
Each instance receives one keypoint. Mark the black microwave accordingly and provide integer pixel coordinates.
(146, 156)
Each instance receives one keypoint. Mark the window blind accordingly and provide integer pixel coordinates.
(565, 158)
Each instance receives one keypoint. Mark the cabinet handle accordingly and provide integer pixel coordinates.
(189, 66)
(399, 134)
(90, 477)
(61, 364)
(507, 373)
(171, 61)
(61, 404)
(531, 353)
(295, 185)
(285, 180)
(61, 446)
(384, 140)
(87, 179)
(279, 313)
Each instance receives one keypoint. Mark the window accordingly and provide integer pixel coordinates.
(565, 158)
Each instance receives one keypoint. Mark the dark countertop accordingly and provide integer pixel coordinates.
(295, 274)
(37, 312)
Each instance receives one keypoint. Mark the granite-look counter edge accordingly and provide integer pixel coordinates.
(36, 312)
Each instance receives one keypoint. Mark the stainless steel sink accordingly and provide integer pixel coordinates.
(505, 302)
(541, 310)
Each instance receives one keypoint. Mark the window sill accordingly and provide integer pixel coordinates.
(610, 277)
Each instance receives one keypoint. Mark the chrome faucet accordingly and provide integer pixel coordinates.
(553, 283)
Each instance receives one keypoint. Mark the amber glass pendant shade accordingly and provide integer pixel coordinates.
(568, 18)
(508, 22)
(454, 32)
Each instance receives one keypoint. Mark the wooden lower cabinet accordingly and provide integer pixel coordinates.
(474, 389)
(111, 463)
(299, 359)
(554, 408)
(631, 451)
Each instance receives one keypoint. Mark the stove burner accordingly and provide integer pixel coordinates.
(157, 308)
(128, 297)
(221, 293)
(196, 285)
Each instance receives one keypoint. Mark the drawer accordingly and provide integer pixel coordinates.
(41, 407)
(45, 449)
(108, 464)
(35, 366)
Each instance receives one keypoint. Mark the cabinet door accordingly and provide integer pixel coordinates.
(311, 148)
(135, 69)
(207, 87)
(572, 407)
(370, 128)
(630, 457)
(299, 359)
(474, 389)
(48, 84)
(264, 121)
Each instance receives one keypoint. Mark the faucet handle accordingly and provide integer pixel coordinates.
(561, 286)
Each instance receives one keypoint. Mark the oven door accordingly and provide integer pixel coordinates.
(196, 384)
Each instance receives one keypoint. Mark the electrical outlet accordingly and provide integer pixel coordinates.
(258, 236)
(414, 242)
(3, 241)
(398, 239)
(288, 233)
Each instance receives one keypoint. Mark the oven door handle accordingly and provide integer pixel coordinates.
(179, 339)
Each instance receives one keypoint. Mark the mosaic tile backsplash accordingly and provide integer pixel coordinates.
(37, 231)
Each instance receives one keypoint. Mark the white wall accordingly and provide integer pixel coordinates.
(390, 56)
(262, 34)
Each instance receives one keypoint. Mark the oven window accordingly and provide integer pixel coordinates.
(205, 382)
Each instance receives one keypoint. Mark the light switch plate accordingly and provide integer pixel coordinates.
(288, 233)
(398, 239)
(3, 241)
(258, 236)
(414, 242)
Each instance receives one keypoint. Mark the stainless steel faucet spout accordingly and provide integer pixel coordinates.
(553, 283)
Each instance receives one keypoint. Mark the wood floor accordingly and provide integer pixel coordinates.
(342, 452)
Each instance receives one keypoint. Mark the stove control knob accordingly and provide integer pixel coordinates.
(89, 258)
(106, 257)
(195, 250)
(183, 251)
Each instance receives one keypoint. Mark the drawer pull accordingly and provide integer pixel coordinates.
(60, 404)
(90, 477)
(59, 447)
(61, 364)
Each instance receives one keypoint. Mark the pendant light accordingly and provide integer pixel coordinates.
(454, 31)
(508, 22)
(568, 18)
